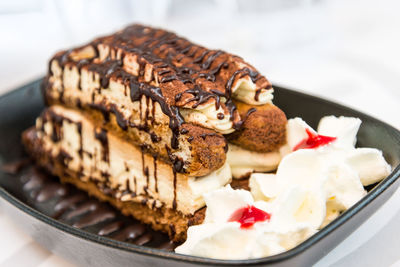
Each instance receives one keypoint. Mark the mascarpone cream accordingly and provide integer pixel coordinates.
(243, 161)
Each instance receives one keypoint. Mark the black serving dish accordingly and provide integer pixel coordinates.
(84, 246)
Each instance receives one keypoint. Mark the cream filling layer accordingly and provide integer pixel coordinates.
(244, 162)
(246, 91)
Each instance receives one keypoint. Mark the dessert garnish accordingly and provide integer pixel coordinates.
(313, 141)
(311, 188)
(248, 216)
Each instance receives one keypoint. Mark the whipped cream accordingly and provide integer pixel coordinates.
(206, 116)
(245, 90)
(335, 172)
(220, 238)
(314, 183)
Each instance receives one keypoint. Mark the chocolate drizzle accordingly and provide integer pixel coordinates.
(243, 120)
(113, 68)
(103, 109)
(220, 116)
(174, 203)
(127, 188)
(110, 228)
(76, 208)
(101, 135)
(145, 170)
(204, 135)
(56, 133)
(155, 174)
(254, 76)
(200, 97)
(137, 90)
(177, 162)
(173, 59)
(80, 151)
(64, 158)
(121, 121)
(130, 233)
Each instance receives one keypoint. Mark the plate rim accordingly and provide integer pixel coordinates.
(323, 233)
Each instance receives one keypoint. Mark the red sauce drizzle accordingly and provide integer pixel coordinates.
(247, 216)
(313, 141)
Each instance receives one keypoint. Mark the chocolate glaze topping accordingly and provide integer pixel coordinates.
(176, 120)
(113, 68)
(188, 75)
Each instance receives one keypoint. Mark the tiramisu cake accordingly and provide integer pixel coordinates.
(149, 121)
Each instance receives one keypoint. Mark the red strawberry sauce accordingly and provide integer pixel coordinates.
(248, 216)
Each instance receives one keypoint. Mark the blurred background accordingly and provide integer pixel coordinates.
(344, 50)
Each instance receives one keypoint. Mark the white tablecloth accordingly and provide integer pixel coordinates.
(347, 51)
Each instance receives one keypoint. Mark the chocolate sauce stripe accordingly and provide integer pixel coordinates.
(174, 202)
(76, 208)
(133, 31)
(101, 135)
(113, 68)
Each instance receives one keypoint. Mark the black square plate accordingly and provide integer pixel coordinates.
(84, 246)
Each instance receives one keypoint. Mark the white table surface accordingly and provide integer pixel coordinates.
(347, 51)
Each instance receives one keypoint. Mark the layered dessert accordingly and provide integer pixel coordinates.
(150, 122)
(187, 140)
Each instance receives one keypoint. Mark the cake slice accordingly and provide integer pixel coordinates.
(142, 118)
(140, 113)
(146, 81)
(201, 81)
(81, 152)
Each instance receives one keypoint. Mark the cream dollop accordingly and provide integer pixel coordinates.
(206, 114)
(220, 238)
(245, 90)
(333, 175)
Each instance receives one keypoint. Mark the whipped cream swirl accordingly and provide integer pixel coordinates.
(321, 175)
(220, 238)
